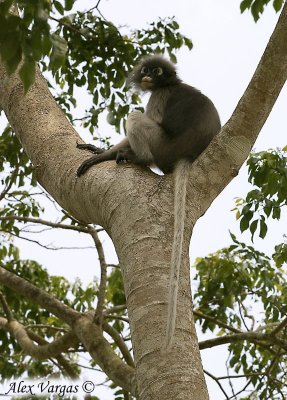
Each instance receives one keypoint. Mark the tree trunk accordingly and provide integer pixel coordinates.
(135, 206)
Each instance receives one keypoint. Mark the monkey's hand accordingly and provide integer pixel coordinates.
(90, 147)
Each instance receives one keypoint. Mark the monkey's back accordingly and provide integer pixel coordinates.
(187, 108)
(189, 121)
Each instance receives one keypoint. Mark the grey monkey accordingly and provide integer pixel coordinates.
(178, 124)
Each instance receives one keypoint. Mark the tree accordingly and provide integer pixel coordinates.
(139, 224)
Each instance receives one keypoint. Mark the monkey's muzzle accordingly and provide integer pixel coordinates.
(146, 82)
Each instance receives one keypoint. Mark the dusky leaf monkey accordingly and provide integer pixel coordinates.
(178, 124)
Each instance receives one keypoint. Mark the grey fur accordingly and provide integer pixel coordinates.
(177, 126)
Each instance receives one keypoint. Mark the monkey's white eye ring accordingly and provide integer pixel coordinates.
(158, 71)
(144, 70)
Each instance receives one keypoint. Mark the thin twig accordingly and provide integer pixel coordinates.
(216, 321)
(44, 222)
(10, 184)
(218, 383)
(115, 309)
(117, 317)
(98, 318)
(120, 343)
(278, 328)
(47, 247)
(40, 326)
(6, 308)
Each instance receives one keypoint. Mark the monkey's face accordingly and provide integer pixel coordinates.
(154, 76)
(150, 77)
(153, 72)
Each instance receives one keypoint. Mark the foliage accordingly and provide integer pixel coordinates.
(246, 290)
(82, 50)
(13, 362)
(268, 174)
(257, 6)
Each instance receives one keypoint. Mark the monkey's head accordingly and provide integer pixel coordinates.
(153, 72)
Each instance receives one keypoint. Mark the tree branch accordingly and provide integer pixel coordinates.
(279, 328)
(48, 350)
(250, 336)
(28, 345)
(38, 296)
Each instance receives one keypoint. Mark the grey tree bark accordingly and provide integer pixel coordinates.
(135, 207)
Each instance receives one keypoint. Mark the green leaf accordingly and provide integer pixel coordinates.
(245, 4)
(188, 43)
(13, 63)
(69, 4)
(9, 46)
(244, 224)
(276, 212)
(111, 118)
(59, 51)
(27, 74)
(263, 229)
(253, 227)
(257, 8)
(59, 7)
(277, 4)
(36, 45)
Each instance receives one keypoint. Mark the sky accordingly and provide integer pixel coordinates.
(227, 49)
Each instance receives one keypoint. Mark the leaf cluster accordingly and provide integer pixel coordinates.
(239, 275)
(268, 174)
(244, 289)
(257, 6)
(81, 49)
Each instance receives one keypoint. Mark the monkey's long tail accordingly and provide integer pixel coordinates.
(181, 178)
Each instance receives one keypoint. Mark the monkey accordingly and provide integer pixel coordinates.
(178, 124)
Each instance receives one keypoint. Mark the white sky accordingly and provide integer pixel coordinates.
(227, 49)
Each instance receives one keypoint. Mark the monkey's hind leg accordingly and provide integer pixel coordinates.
(144, 135)
(105, 155)
(127, 155)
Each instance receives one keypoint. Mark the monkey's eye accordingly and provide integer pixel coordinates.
(144, 70)
(157, 71)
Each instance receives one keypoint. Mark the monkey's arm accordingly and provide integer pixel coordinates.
(101, 155)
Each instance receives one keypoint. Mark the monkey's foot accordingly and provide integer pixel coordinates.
(124, 155)
(90, 147)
